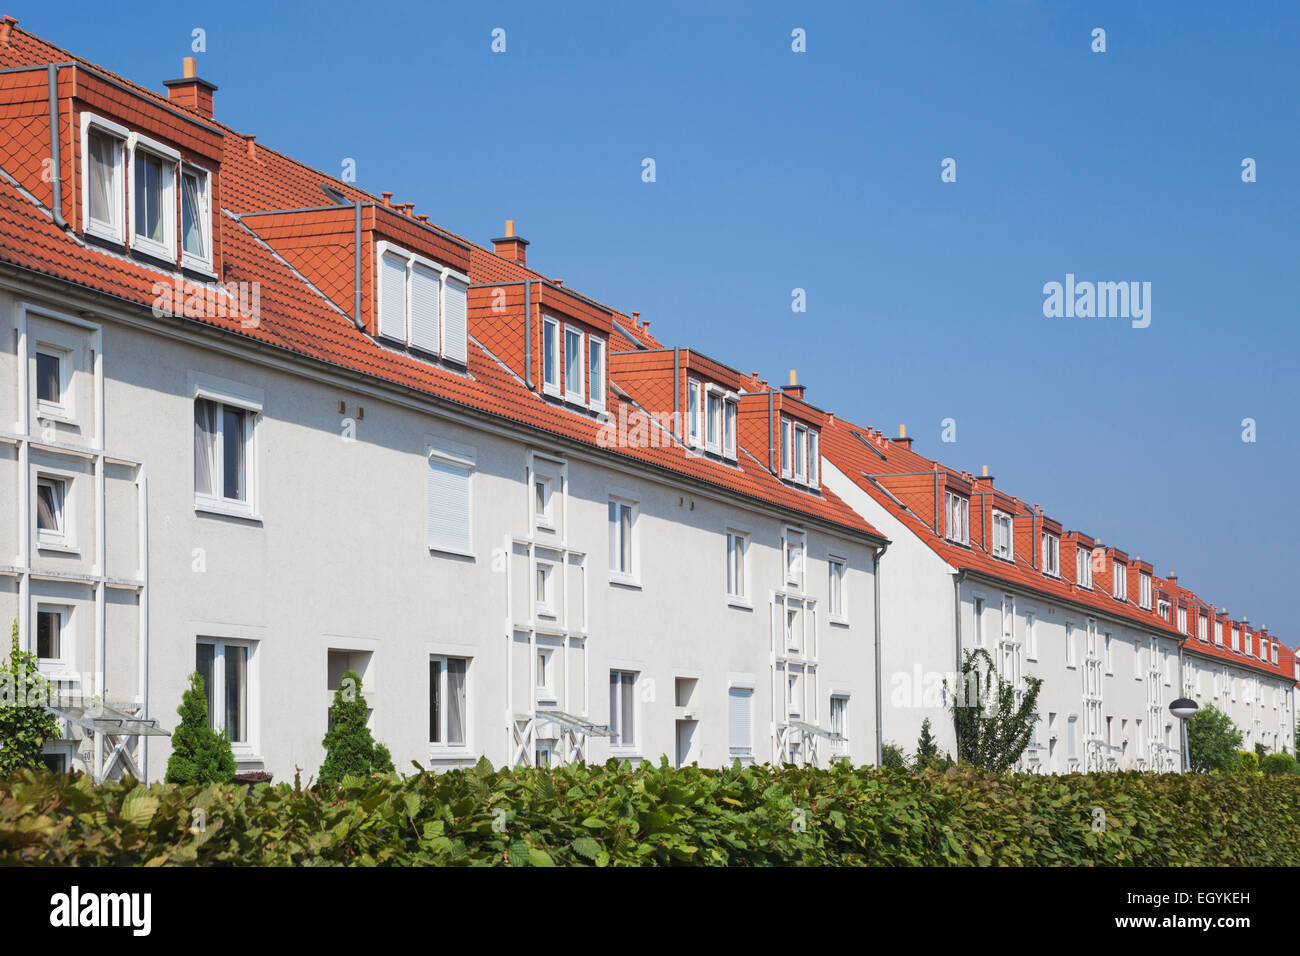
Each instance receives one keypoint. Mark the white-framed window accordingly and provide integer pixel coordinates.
(1119, 582)
(713, 421)
(1071, 645)
(1182, 620)
(799, 448)
(52, 511)
(1202, 627)
(196, 218)
(1008, 619)
(1248, 644)
(1162, 608)
(421, 304)
(622, 709)
(53, 380)
(1051, 554)
(740, 720)
(957, 510)
(53, 636)
(544, 588)
(225, 429)
(448, 702)
(794, 548)
(225, 667)
(1108, 655)
(1002, 535)
(449, 498)
(729, 411)
(153, 197)
(786, 457)
(543, 502)
(836, 569)
(694, 413)
(794, 693)
(1083, 566)
(550, 356)
(793, 629)
(839, 725)
(1273, 651)
(545, 676)
(978, 636)
(1218, 633)
(103, 176)
(1236, 640)
(1144, 590)
(737, 565)
(1031, 636)
(622, 539)
(596, 371)
(575, 385)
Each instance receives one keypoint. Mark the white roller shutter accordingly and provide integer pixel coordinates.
(455, 308)
(448, 503)
(424, 308)
(740, 719)
(392, 296)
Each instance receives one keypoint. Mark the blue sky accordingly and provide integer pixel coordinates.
(821, 171)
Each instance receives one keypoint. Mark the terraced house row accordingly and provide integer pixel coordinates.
(261, 424)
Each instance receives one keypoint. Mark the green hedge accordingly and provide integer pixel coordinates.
(655, 815)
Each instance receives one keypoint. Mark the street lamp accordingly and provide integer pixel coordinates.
(1183, 708)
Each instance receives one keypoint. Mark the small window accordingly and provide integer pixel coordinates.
(1144, 591)
(958, 515)
(794, 693)
(799, 449)
(795, 546)
(1083, 566)
(1071, 651)
(51, 494)
(153, 202)
(979, 622)
(1218, 633)
(1002, 535)
(1202, 627)
(835, 586)
(793, 629)
(839, 726)
(694, 409)
(1119, 572)
(729, 428)
(1108, 656)
(1051, 554)
(196, 218)
(713, 422)
(1031, 636)
(596, 371)
(223, 442)
(551, 356)
(622, 709)
(448, 706)
(448, 484)
(574, 384)
(49, 634)
(622, 522)
(542, 508)
(53, 380)
(224, 667)
(1182, 620)
(544, 578)
(546, 675)
(740, 738)
(104, 191)
(786, 471)
(737, 543)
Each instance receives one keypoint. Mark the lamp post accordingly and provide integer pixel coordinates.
(1183, 708)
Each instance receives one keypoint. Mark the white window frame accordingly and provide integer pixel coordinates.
(794, 543)
(787, 449)
(544, 581)
(1182, 620)
(61, 538)
(1071, 642)
(67, 639)
(1218, 632)
(546, 661)
(1031, 634)
(219, 503)
(442, 749)
(1202, 627)
(713, 394)
(618, 575)
(456, 456)
(579, 395)
(1083, 567)
(189, 260)
(1051, 554)
(737, 578)
(1119, 580)
(839, 724)
(730, 424)
(441, 349)
(171, 159)
(1002, 527)
(113, 233)
(837, 579)
(596, 399)
(961, 505)
(246, 749)
(551, 366)
(61, 410)
(694, 413)
(624, 747)
(1144, 590)
(743, 687)
(543, 516)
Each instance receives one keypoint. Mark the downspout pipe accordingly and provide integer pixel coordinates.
(956, 619)
(56, 164)
(356, 267)
(880, 703)
(677, 392)
(771, 441)
(528, 336)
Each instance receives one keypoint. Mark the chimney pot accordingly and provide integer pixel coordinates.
(794, 377)
(636, 319)
(985, 472)
(189, 68)
(387, 197)
(902, 431)
(6, 28)
(510, 228)
(190, 90)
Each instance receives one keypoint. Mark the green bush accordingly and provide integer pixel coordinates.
(24, 724)
(1212, 740)
(199, 753)
(656, 815)
(1275, 764)
(349, 746)
(1248, 762)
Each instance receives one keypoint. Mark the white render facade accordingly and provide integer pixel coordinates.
(495, 628)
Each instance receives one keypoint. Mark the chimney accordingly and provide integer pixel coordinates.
(6, 29)
(902, 438)
(190, 91)
(511, 246)
(794, 389)
(1171, 578)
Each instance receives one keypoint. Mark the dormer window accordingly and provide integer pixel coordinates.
(421, 304)
(1002, 535)
(711, 418)
(957, 510)
(102, 167)
(1144, 591)
(1119, 582)
(800, 456)
(1218, 633)
(1182, 620)
(196, 219)
(1162, 608)
(1202, 627)
(596, 372)
(1051, 554)
(1083, 567)
(575, 387)
(153, 197)
(1236, 640)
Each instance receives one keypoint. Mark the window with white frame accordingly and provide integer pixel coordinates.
(737, 545)
(1273, 651)
(622, 541)
(1182, 620)
(575, 385)
(622, 709)
(1008, 619)
(224, 453)
(740, 721)
(978, 634)
(550, 356)
(1248, 643)
(596, 372)
(1051, 554)
(448, 702)
(799, 453)
(53, 380)
(544, 585)
(545, 677)
(1144, 591)
(1202, 627)
(836, 571)
(957, 510)
(1031, 635)
(543, 508)
(794, 693)
(421, 304)
(1218, 633)
(794, 548)
(1236, 640)
(224, 668)
(448, 499)
(1072, 737)
(1108, 655)
(839, 725)
(694, 413)
(1083, 566)
(103, 177)
(1119, 582)
(153, 197)
(1162, 608)
(1071, 640)
(1002, 535)
(51, 511)
(196, 218)
(51, 627)
(793, 629)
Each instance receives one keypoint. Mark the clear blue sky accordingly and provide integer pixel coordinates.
(821, 171)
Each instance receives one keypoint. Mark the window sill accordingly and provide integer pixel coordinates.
(247, 756)
(626, 753)
(59, 416)
(837, 620)
(437, 752)
(624, 581)
(739, 603)
(58, 548)
(228, 511)
(201, 268)
(448, 549)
